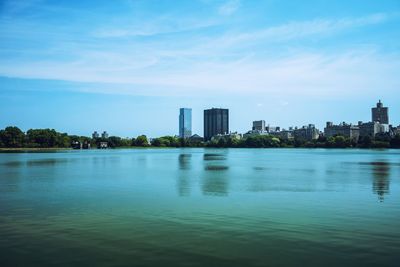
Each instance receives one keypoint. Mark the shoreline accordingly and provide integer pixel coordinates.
(53, 149)
(32, 149)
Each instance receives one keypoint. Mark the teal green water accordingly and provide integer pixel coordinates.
(200, 207)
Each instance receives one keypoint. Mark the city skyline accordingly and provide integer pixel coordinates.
(137, 61)
(251, 124)
(216, 123)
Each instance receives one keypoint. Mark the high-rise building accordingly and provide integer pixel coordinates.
(380, 113)
(343, 129)
(104, 135)
(185, 122)
(95, 135)
(308, 132)
(216, 121)
(372, 128)
(259, 125)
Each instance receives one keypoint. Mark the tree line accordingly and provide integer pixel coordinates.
(13, 137)
(269, 141)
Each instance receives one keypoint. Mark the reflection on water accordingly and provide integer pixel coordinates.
(200, 207)
(380, 176)
(44, 162)
(215, 179)
(259, 168)
(184, 161)
(13, 163)
(381, 181)
(216, 168)
(102, 161)
(379, 169)
(215, 185)
(183, 182)
(36, 162)
(183, 186)
(213, 156)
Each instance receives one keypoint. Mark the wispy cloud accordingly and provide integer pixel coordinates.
(300, 29)
(229, 7)
(161, 26)
(177, 55)
(308, 74)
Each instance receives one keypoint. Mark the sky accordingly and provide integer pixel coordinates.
(127, 66)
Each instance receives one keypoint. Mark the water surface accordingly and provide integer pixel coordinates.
(200, 207)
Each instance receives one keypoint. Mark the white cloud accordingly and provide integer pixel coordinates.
(229, 7)
(226, 64)
(284, 103)
(299, 29)
(161, 25)
(349, 73)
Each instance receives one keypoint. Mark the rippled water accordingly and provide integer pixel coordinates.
(200, 207)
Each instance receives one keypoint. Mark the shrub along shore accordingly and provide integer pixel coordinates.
(12, 138)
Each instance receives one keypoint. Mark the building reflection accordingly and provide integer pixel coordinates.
(215, 179)
(381, 181)
(184, 161)
(183, 181)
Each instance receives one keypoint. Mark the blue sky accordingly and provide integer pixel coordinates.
(128, 66)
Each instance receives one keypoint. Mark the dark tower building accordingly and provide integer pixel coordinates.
(380, 113)
(216, 121)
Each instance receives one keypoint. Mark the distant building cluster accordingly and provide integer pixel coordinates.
(100, 142)
(216, 126)
(80, 145)
(379, 124)
(96, 135)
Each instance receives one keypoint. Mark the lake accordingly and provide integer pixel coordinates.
(200, 207)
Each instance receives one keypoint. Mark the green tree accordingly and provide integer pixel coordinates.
(156, 142)
(12, 136)
(395, 141)
(114, 141)
(42, 137)
(167, 141)
(74, 138)
(380, 144)
(133, 141)
(183, 142)
(383, 137)
(63, 140)
(141, 140)
(340, 141)
(299, 142)
(232, 142)
(221, 142)
(365, 141)
(320, 142)
(271, 141)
